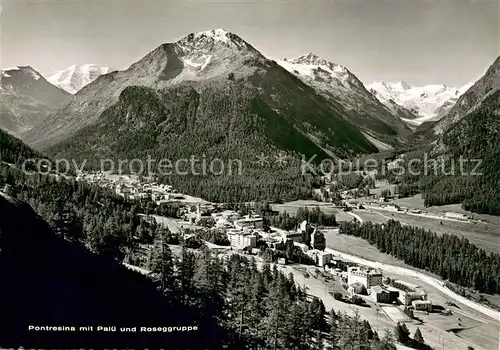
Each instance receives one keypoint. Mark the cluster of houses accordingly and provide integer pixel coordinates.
(242, 231)
(137, 190)
(245, 231)
(129, 187)
(98, 178)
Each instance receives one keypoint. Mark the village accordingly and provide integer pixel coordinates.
(131, 187)
(384, 297)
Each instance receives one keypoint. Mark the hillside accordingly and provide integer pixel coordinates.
(13, 150)
(26, 98)
(48, 281)
(341, 87)
(482, 89)
(475, 137)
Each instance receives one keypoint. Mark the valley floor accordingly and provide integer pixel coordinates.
(473, 329)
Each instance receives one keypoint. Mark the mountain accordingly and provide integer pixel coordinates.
(26, 98)
(475, 141)
(209, 94)
(487, 85)
(75, 77)
(214, 64)
(343, 88)
(49, 281)
(427, 103)
(467, 142)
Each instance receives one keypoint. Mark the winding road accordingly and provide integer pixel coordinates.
(438, 284)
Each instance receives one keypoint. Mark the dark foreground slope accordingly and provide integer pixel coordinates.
(47, 281)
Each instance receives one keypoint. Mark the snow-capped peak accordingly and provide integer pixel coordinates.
(428, 102)
(311, 65)
(75, 77)
(404, 85)
(7, 72)
(210, 37)
(11, 68)
(312, 59)
(215, 34)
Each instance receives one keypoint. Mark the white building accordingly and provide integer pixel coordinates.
(406, 298)
(250, 222)
(324, 258)
(410, 293)
(302, 227)
(321, 258)
(367, 277)
(241, 239)
(457, 216)
(391, 207)
(422, 305)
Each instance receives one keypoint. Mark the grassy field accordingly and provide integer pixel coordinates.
(482, 234)
(328, 208)
(417, 202)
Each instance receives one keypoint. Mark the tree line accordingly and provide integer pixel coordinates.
(86, 213)
(259, 306)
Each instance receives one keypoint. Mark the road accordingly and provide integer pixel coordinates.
(427, 279)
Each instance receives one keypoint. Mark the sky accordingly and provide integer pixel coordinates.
(422, 42)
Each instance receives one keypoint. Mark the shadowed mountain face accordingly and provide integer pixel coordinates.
(47, 281)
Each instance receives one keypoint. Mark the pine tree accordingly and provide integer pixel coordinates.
(162, 266)
(402, 333)
(68, 225)
(418, 337)
(319, 240)
(186, 270)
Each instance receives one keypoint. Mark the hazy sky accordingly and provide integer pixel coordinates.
(422, 42)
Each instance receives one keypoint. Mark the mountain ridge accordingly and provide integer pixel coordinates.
(166, 65)
(196, 60)
(26, 98)
(338, 84)
(487, 85)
